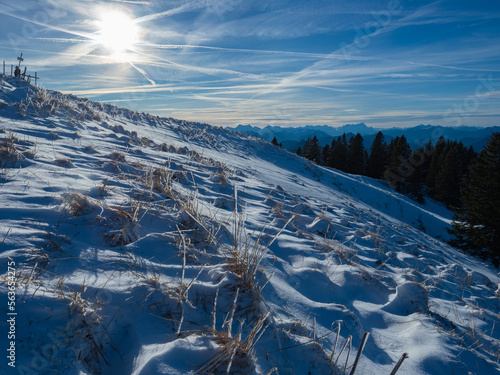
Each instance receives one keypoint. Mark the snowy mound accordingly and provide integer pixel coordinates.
(147, 245)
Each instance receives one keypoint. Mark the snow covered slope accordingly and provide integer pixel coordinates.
(147, 245)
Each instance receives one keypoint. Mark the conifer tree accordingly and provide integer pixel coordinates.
(356, 155)
(451, 176)
(339, 154)
(414, 184)
(315, 151)
(435, 165)
(378, 157)
(275, 141)
(306, 150)
(421, 160)
(299, 151)
(471, 156)
(325, 154)
(476, 226)
(399, 167)
(330, 161)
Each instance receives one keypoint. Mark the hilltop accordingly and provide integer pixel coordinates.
(150, 245)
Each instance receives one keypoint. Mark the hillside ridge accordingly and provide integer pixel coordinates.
(150, 245)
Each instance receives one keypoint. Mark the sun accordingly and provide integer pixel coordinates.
(117, 33)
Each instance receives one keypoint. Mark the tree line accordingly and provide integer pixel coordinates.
(437, 171)
(448, 171)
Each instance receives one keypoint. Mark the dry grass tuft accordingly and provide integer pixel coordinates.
(103, 189)
(160, 180)
(90, 149)
(78, 204)
(117, 156)
(221, 178)
(236, 350)
(247, 251)
(348, 254)
(9, 153)
(126, 223)
(64, 163)
(89, 336)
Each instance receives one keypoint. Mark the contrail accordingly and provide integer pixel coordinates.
(183, 8)
(209, 71)
(83, 35)
(289, 53)
(133, 2)
(453, 67)
(62, 40)
(143, 73)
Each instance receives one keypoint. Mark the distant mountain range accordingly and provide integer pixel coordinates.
(292, 138)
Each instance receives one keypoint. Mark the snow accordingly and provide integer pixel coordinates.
(124, 228)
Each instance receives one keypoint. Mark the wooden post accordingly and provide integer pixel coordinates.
(24, 74)
(36, 79)
(11, 70)
(360, 350)
(4, 68)
(400, 362)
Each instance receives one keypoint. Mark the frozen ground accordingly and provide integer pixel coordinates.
(147, 245)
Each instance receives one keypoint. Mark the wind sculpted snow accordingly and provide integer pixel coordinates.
(148, 245)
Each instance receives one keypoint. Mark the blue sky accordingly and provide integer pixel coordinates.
(268, 62)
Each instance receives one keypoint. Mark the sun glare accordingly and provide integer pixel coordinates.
(117, 33)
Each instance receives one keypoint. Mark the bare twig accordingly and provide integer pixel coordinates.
(214, 312)
(229, 322)
(336, 340)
